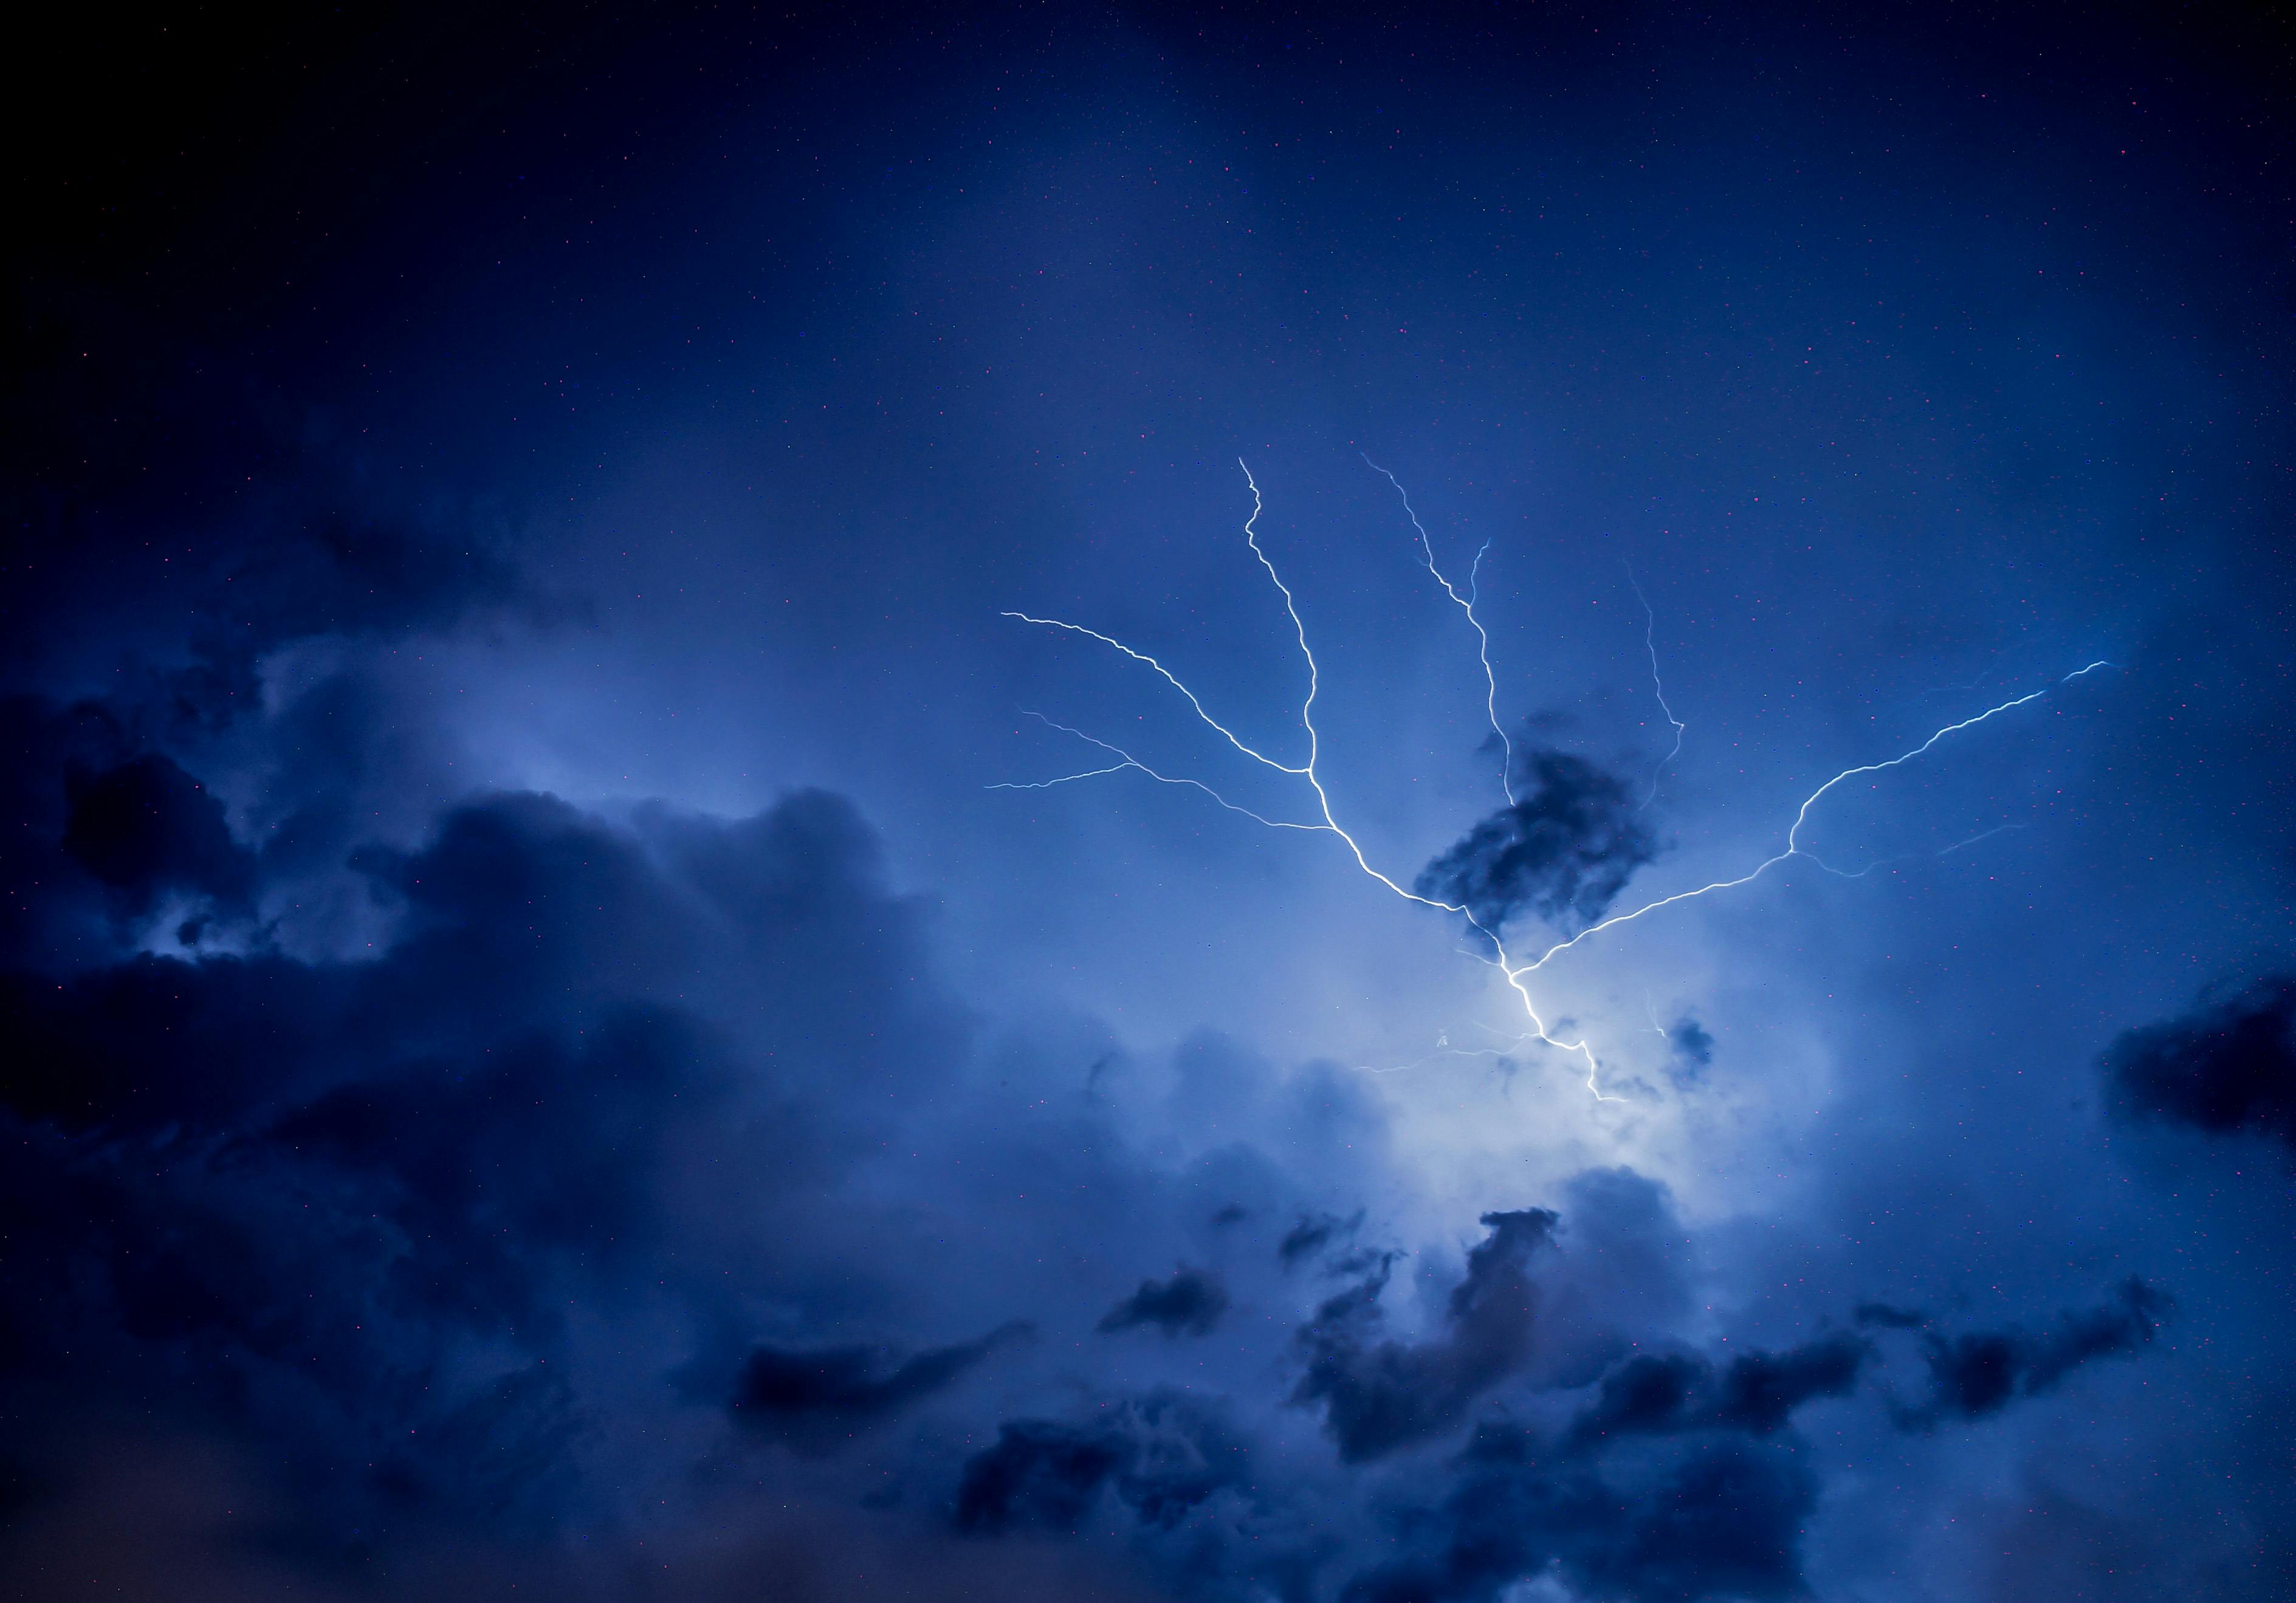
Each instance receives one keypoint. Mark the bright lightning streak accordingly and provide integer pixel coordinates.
(1794, 848)
(1467, 605)
(1309, 772)
(1257, 756)
(1657, 686)
(1125, 759)
(1516, 974)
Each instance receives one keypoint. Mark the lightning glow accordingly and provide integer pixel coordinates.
(1516, 973)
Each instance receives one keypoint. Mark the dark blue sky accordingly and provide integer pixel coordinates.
(546, 1049)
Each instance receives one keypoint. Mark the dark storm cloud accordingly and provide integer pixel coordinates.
(592, 1073)
(2226, 1068)
(151, 1040)
(1755, 1393)
(1312, 1235)
(512, 914)
(114, 823)
(146, 826)
(1163, 1455)
(817, 1398)
(1189, 1303)
(1039, 1472)
(613, 1199)
(1976, 1374)
(1721, 1519)
(1563, 852)
(98, 830)
(1682, 1477)
(1378, 1392)
(316, 1181)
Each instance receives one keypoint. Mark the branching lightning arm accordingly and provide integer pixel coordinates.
(1516, 973)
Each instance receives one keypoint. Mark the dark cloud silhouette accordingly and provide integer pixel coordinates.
(1755, 1392)
(817, 1398)
(1979, 1373)
(1758, 1390)
(1681, 1478)
(146, 827)
(292, 1190)
(1722, 1518)
(1692, 1047)
(63, 904)
(1379, 1394)
(2229, 1066)
(1163, 1454)
(1651, 1392)
(1312, 1235)
(1563, 852)
(1189, 1303)
(1039, 1472)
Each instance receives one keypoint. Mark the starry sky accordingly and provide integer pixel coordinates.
(1101, 802)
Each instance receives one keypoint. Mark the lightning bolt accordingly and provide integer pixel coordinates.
(1794, 848)
(1516, 973)
(1658, 687)
(1466, 604)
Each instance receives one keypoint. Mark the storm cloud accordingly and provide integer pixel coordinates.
(1722, 1519)
(2226, 1068)
(1189, 1303)
(1755, 1392)
(1974, 1374)
(1563, 852)
(562, 1031)
(1379, 1392)
(814, 1398)
(1162, 1455)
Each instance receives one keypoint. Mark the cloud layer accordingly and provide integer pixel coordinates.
(534, 1059)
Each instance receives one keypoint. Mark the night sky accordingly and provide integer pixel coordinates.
(753, 844)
